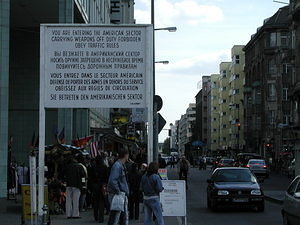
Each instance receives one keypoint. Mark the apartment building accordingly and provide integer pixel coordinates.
(236, 99)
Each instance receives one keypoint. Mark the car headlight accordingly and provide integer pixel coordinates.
(223, 192)
(255, 192)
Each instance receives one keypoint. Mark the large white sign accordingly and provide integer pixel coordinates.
(173, 198)
(96, 66)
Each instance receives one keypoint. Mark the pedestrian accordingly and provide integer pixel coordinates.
(173, 161)
(151, 186)
(73, 178)
(184, 166)
(99, 177)
(83, 191)
(162, 162)
(118, 185)
(135, 177)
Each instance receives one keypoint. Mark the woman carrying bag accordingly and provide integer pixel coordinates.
(151, 186)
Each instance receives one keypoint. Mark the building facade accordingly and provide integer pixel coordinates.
(224, 99)
(269, 79)
(236, 99)
(185, 128)
(214, 113)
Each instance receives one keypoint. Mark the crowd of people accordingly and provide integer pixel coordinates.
(113, 185)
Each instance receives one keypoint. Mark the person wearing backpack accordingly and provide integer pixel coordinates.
(184, 166)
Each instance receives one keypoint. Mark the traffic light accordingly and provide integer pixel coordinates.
(238, 125)
(268, 145)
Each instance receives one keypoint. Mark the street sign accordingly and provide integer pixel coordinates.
(173, 198)
(163, 173)
(95, 66)
(161, 122)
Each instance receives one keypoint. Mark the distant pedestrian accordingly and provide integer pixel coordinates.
(135, 177)
(118, 184)
(73, 177)
(151, 186)
(184, 166)
(99, 176)
(161, 162)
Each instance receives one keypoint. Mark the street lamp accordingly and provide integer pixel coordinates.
(154, 156)
(170, 29)
(163, 62)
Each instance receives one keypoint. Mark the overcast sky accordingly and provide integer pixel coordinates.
(206, 32)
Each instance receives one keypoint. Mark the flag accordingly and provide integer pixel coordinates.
(55, 135)
(82, 142)
(61, 136)
(94, 151)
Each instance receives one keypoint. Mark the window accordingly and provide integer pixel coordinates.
(273, 39)
(223, 113)
(224, 138)
(292, 187)
(236, 91)
(237, 59)
(215, 108)
(215, 119)
(215, 141)
(236, 76)
(223, 73)
(271, 92)
(284, 94)
(237, 106)
(284, 39)
(286, 118)
(223, 125)
(272, 66)
(271, 116)
(215, 130)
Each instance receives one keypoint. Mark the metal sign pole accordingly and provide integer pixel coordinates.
(41, 152)
(150, 94)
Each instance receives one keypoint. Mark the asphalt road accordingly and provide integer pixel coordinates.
(198, 214)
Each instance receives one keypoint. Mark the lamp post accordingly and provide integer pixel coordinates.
(155, 107)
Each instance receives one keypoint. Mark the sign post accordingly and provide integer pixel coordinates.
(93, 66)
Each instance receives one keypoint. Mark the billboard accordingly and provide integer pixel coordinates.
(88, 66)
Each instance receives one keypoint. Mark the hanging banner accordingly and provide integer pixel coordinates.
(96, 66)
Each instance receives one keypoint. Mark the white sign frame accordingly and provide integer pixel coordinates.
(43, 66)
(173, 198)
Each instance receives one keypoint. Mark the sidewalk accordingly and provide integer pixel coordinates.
(275, 187)
(11, 211)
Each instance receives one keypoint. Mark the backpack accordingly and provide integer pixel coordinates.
(184, 165)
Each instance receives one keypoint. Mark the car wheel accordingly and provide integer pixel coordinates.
(285, 219)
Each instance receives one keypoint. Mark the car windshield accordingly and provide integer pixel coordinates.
(235, 175)
(257, 162)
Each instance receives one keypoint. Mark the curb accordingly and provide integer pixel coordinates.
(275, 200)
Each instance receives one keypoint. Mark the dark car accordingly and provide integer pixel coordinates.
(232, 186)
(291, 204)
(226, 163)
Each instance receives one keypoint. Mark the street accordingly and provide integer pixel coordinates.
(198, 214)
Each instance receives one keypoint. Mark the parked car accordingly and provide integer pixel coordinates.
(291, 169)
(225, 163)
(234, 186)
(291, 204)
(258, 167)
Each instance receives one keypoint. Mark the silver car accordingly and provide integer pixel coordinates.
(291, 205)
(258, 167)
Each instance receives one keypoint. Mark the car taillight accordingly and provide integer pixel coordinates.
(265, 166)
(248, 166)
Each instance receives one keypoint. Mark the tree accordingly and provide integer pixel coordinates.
(166, 146)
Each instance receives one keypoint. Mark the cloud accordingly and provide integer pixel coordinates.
(202, 63)
(187, 12)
